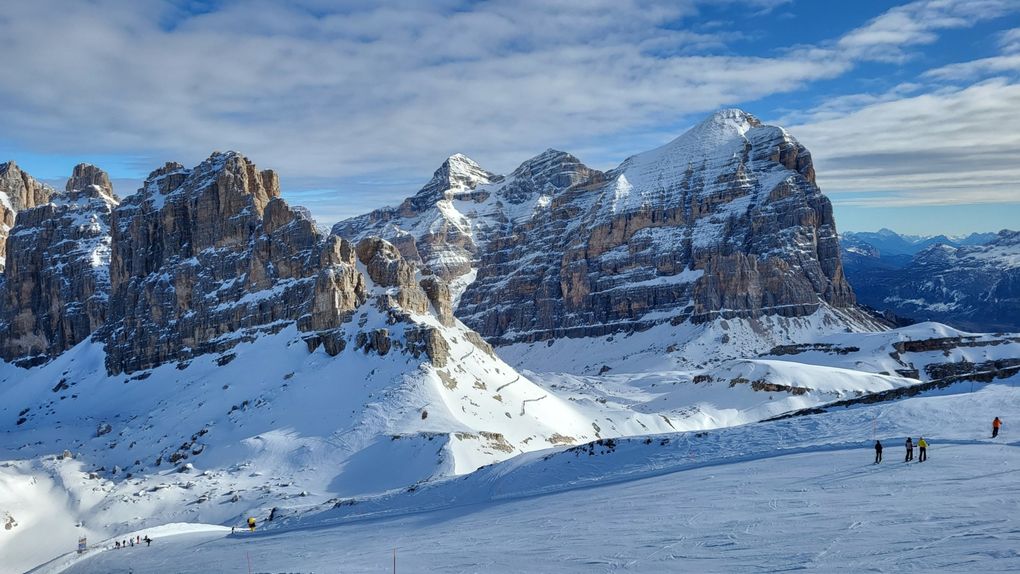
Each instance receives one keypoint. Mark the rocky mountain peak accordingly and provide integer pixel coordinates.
(86, 175)
(57, 270)
(18, 191)
(549, 173)
(1007, 236)
(714, 143)
(457, 173)
(726, 221)
(721, 127)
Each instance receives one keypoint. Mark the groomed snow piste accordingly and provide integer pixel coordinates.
(796, 494)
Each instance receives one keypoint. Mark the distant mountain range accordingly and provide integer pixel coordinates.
(970, 282)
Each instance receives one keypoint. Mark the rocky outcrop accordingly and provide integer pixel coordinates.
(18, 191)
(387, 268)
(445, 245)
(57, 282)
(438, 293)
(339, 288)
(85, 176)
(202, 259)
(725, 221)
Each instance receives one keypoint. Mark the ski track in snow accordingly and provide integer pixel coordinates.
(739, 506)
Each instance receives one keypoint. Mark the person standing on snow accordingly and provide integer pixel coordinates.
(995, 427)
(922, 448)
(910, 450)
(878, 452)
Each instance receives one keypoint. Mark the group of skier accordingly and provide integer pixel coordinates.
(922, 445)
(130, 542)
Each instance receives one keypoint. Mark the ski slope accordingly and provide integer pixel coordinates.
(795, 494)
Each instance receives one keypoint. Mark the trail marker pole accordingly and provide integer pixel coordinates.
(394, 561)
(248, 556)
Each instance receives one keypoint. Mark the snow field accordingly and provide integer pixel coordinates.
(812, 502)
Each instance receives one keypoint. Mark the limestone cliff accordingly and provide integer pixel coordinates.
(18, 191)
(56, 282)
(725, 221)
(208, 257)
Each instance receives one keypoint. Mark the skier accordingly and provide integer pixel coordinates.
(116, 544)
(251, 524)
(878, 452)
(148, 541)
(132, 542)
(995, 427)
(910, 450)
(922, 448)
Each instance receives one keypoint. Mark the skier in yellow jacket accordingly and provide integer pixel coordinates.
(922, 447)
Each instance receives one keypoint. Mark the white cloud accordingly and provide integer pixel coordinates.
(976, 68)
(1009, 41)
(322, 93)
(886, 37)
(948, 146)
(321, 90)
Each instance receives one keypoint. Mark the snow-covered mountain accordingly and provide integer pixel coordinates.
(242, 358)
(972, 286)
(201, 352)
(724, 222)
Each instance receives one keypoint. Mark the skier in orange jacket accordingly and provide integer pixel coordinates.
(995, 427)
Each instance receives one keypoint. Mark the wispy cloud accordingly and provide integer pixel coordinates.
(947, 146)
(322, 90)
(1010, 41)
(889, 36)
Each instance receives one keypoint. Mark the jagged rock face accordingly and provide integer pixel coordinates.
(444, 243)
(57, 281)
(438, 293)
(86, 175)
(203, 258)
(724, 221)
(339, 288)
(387, 268)
(18, 191)
(208, 257)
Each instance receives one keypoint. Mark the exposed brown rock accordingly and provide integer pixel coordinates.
(339, 287)
(18, 191)
(57, 285)
(430, 341)
(86, 175)
(205, 258)
(438, 293)
(726, 221)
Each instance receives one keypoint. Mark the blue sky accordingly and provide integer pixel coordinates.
(909, 108)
